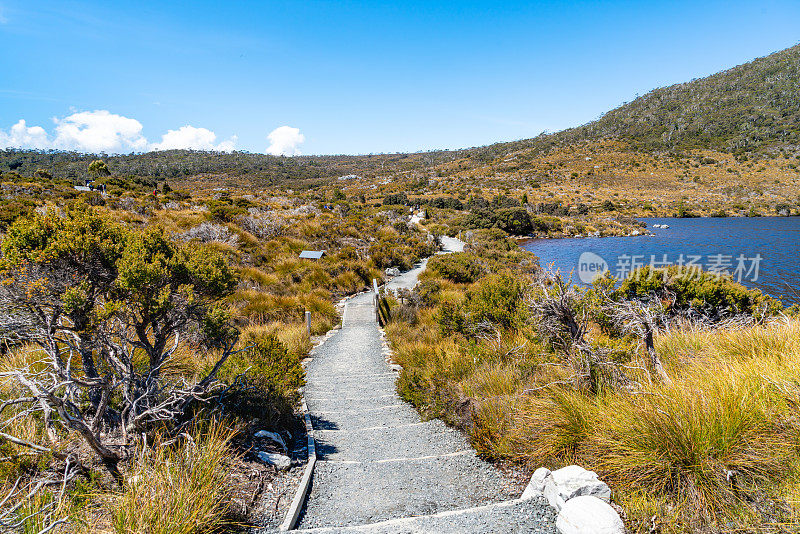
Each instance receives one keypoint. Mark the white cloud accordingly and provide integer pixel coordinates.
(194, 138)
(99, 131)
(285, 141)
(22, 136)
(103, 131)
(3, 18)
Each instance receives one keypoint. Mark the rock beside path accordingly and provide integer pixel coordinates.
(586, 514)
(280, 461)
(567, 483)
(272, 436)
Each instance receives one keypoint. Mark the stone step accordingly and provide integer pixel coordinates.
(376, 382)
(347, 494)
(345, 402)
(508, 517)
(388, 416)
(432, 438)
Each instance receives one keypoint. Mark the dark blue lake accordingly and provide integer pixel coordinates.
(762, 252)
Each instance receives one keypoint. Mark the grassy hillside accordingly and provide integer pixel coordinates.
(748, 107)
(728, 143)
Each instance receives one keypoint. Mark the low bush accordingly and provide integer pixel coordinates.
(395, 199)
(460, 267)
(514, 221)
(718, 296)
(264, 380)
(498, 300)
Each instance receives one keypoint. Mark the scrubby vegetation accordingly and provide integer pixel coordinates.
(151, 323)
(148, 333)
(678, 389)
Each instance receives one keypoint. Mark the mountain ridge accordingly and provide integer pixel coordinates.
(746, 108)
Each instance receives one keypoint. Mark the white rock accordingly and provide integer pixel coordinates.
(537, 483)
(553, 494)
(278, 460)
(588, 515)
(273, 436)
(392, 271)
(570, 482)
(573, 481)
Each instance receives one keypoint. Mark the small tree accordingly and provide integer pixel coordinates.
(42, 174)
(98, 168)
(81, 285)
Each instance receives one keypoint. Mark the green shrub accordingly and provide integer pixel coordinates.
(223, 211)
(450, 318)
(547, 224)
(497, 299)
(460, 267)
(685, 212)
(396, 199)
(268, 363)
(717, 295)
(515, 221)
(11, 210)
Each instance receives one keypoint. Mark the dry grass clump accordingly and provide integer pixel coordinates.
(292, 335)
(175, 490)
(774, 339)
(710, 443)
(715, 447)
(718, 444)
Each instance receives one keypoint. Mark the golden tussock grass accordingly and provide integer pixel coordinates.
(292, 335)
(718, 446)
(175, 490)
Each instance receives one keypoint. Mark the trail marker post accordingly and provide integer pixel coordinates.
(308, 323)
(377, 301)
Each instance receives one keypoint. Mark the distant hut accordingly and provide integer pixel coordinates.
(312, 254)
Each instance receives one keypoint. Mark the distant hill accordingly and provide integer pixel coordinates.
(256, 168)
(747, 108)
(742, 108)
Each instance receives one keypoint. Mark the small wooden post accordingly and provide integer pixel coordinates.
(377, 301)
(308, 323)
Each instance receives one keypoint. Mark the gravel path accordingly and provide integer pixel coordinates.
(378, 463)
(510, 517)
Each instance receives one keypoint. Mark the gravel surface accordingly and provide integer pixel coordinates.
(378, 464)
(510, 517)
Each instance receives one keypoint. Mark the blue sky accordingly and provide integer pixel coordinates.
(351, 77)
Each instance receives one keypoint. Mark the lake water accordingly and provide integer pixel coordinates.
(762, 252)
